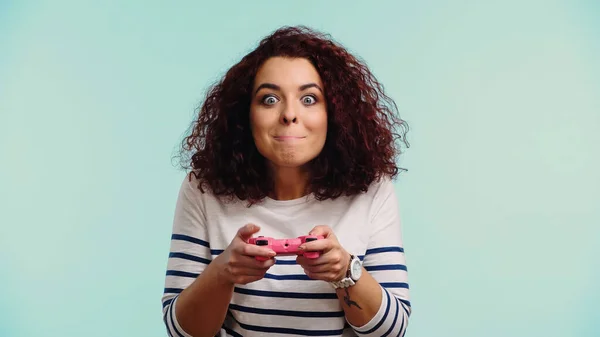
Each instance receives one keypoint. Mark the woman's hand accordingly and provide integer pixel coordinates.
(333, 262)
(237, 264)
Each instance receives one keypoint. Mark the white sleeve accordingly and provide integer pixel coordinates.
(385, 261)
(189, 252)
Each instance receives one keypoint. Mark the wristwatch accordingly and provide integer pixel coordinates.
(352, 274)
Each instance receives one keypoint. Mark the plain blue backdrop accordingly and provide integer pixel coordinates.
(500, 204)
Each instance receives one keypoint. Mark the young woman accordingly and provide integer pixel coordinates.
(297, 139)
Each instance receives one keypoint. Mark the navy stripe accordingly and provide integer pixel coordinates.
(387, 310)
(393, 322)
(394, 285)
(302, 277)
(173, 322)
(289, 330)
(386, 267)
(189, 257)
(401, 314)
(167, 302)
(265, 293)
(406, 309)
(231, 332)
(173, 290)
(401, 327)
(285, 262)
(190, 239)
(287, 312)
(167, 324)
(404, 301)
(384, 250)
(181, 273)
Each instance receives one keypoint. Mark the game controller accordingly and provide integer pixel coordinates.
(286, 246)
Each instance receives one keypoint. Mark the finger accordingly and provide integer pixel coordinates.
(321, 230)
(262, 265)
(250, 261)
(251, 272)
(246, 270)
(319, 245)
(246, 231)
(332, 263)
(331, 258)
(305, 262)
(247, 249)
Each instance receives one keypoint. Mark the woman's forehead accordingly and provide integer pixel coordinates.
(287, 72)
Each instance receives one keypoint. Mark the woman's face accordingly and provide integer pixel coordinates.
(288, 114)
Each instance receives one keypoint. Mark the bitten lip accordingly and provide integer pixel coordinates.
(288, 137)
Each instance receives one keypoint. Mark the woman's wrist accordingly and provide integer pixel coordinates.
(220, 275)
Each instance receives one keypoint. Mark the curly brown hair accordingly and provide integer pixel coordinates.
(362, 124)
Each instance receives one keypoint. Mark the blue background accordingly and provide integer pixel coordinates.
(500, 204)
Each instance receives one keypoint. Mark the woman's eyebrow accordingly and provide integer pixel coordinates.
(276, 87)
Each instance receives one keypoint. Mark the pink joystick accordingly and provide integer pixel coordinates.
(286, 246)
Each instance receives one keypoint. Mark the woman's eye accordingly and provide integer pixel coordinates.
(269, 100)
(308, 100)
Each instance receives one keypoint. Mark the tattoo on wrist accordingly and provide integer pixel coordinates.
(350, 302)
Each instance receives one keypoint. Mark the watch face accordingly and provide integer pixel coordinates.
(355, 269)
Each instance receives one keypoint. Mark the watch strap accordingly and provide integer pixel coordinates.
(343, 283)
(347, 281)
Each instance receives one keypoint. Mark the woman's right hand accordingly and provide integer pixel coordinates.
(237, 263)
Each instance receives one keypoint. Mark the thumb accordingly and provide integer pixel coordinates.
(247, 230)
(325, 231)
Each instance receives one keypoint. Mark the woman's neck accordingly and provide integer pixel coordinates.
(289, 183)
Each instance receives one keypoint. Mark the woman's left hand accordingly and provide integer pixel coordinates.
(333, 261)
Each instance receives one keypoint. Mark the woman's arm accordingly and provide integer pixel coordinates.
(190, 274)
(362, 301)
(200, 309)
(196, 297)
(378, 304)
(198, 288)
(374, 308)
(386, 276)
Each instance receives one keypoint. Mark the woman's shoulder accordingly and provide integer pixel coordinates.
(194, 189)
(375, 195)
(190, 186)
(381, 187)
(380, 192)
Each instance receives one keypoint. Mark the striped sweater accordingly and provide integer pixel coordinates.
(286, 302)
